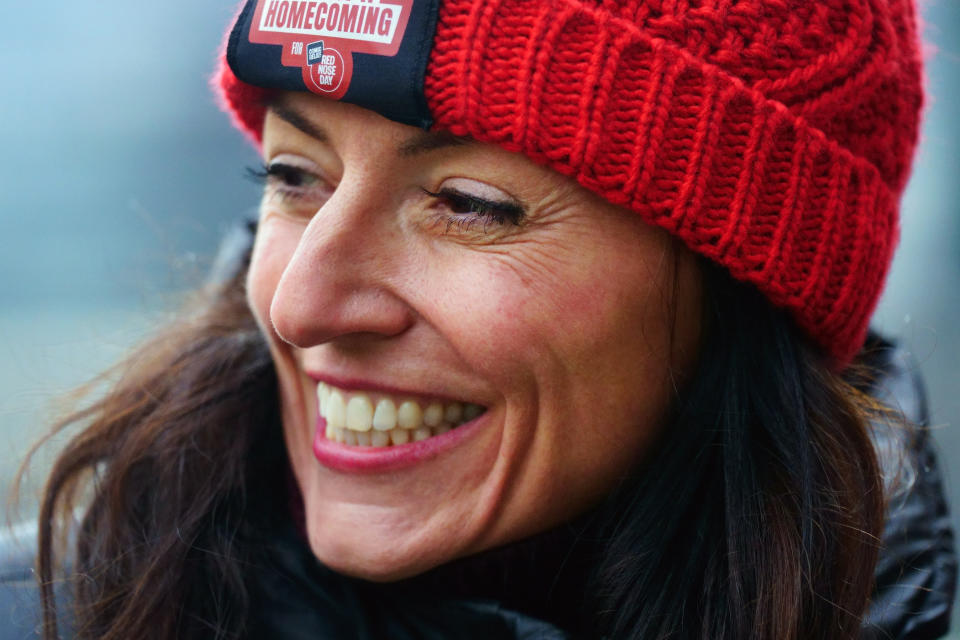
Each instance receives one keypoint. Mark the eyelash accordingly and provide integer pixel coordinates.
(289, 179)
(463, 206)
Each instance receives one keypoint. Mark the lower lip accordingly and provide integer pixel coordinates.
(342, 457)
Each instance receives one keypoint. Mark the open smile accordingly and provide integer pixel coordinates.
(364, 431)
(382, 420)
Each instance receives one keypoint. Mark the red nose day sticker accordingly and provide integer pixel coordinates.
(321, 37)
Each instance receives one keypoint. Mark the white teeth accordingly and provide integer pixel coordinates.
(359, 413)
(336, 410)
(352, 418)
(385, 417)
(433, 414)
(453, 413)
(323, 393)
(409, 415)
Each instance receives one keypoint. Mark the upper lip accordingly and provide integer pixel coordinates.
(358, 384)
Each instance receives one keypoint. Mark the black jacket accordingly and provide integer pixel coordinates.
(297, 598)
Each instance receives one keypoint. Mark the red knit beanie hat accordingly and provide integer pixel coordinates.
(772, 136)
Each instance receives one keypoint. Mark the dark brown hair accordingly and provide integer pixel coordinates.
(757, 516)
(165, 458)
(766, 493)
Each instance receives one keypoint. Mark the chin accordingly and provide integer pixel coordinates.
(374, 560)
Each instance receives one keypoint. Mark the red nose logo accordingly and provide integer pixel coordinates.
(326, 70)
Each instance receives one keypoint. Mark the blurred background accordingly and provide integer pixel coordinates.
(119, 176)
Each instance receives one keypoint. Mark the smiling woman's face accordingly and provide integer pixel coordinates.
(492, 344)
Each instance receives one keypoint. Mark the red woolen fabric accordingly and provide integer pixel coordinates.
(772, 136)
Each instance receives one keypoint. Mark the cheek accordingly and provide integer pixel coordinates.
(487, 316)
(580, 343)
(509, 318)
(526, 318)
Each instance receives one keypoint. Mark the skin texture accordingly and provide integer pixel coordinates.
(567, 327)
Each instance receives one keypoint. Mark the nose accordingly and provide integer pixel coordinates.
(340, 280)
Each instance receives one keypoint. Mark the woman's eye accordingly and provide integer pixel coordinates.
(464, 207)
(291, 183)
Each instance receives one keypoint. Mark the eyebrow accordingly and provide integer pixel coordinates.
(418, 144)
(294, 118)
(426, 141)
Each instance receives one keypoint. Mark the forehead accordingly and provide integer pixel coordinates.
(313, 117)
